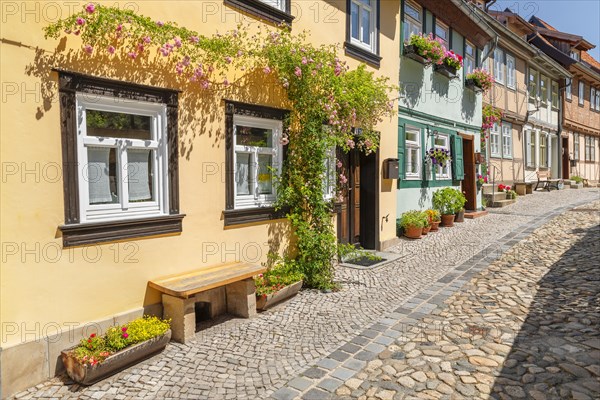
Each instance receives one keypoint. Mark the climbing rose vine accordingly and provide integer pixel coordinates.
(327, 101)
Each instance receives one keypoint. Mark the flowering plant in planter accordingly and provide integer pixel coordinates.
(427, 47)
(503, 188)
(433, 215)
(281, 273)
(438, 156)
(481, 78)
(95, 349)
(481, 179)
(453, 60)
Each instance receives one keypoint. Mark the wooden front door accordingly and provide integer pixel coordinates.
(469, 185)
(349, 216)
(566, 163)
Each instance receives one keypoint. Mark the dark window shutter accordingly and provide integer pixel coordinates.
(402, 151)
(458, 167)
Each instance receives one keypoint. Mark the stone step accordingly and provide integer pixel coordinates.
(495, 196)
(486, 188)
(502, 203)
(576, 185)
(475, 214)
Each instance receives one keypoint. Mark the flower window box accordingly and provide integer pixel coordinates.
(473, 85)
(446, 70)
(412, 52)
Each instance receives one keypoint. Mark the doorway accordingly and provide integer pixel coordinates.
(566, 163)
(469, 186)
(359, 209)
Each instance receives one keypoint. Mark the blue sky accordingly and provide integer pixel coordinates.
(579, 17)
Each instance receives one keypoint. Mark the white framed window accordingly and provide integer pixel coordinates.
(511, 73)
(506, 140)
(576, 146)
(554, 94)
(495, 141)
(581, 92)
(568, 88)
(499, 66)
(592, 98)
(543, 89)
(441, 141)
(533, 84)
(597, 99)
(485, 64)
(442, 32)
(122, 154)
(530, 146)
(257, 157)
(278, 4)
(543, 149)
(469, 59)
(330, 174)
(593, 146)
(590, 148)
(363, 24)
(413, 17)
(575, 54)
(413, 157)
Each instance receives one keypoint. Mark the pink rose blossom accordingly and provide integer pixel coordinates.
(267, 70)
(177, 42)
(298, 72)
(111, 49)
(339, 164)
(160, 23)
(226, 83)
(205, 84)
(80, 21)
(284, 141)
(228, 60)
(125, 335)
(132, 54)
(88, 49)
(147, 39)
(124, 328)
(343, 178)
(350, 143)
(304, 60)
(90, 8)
(240, 53)
(140, 47)
(119, 28)
(77, 32)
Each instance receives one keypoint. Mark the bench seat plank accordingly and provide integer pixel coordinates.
(192, 282)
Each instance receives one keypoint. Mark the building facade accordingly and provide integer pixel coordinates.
(79, 243)
(437, 111)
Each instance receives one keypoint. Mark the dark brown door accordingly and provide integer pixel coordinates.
(468, 184)
(566, 163)
(349, 216)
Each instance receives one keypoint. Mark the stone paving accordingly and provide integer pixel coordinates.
(314, 344)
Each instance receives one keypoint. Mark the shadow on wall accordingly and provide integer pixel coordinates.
(560, 336)
(411, 82)
(200, 109)
(469, 103)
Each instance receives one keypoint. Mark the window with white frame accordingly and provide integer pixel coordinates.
(581, 92)
(590, 148)
(499, 66)
(576, 146)
(441, 141)
(495, 141)
(442, 32)
(506, 140)
(533, 84)
(278, 4)
(330, 174)
(554, 94)
(543, 89)
(469, 59)
(593, 148)
(122, 158)
(568, 88)
(257, 156)
(363, 24)
(592, 98)
(597, 99)
(412, 19)
(530, 145)
(543, 149)
(511, 72)
(412, 163)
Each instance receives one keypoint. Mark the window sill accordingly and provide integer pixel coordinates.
(251, 215)
(99, 232)
(363, 55)
(261, 10)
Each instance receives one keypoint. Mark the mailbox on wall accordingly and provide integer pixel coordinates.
(479, 158)
(573, 163)
(390, 168)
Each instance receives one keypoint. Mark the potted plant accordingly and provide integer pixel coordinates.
(99, 356)
(424, 49)
(448, 201)
(412, 223)
(434, 218)
(438, 156)
(479, 80)
(281, 281)
(450, 65)
(460, 207)
(427, 227)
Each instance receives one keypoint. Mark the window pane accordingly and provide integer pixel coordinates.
(354, 21)
(440, 141)
(118, 125)
(243, 174)
(412, 136)
(411, 11)
(265, 177)
(250, 136)
(366, 26)
(102, 175)
(140, 174)
(469, 50)
(412, 162)
(440, 32)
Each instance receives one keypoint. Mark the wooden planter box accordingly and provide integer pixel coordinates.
(446, 70)
(87, 374)
(264, 302)
(472, 84)
(410, 51)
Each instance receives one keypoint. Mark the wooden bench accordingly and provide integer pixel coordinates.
(545, 180)
(226, 288)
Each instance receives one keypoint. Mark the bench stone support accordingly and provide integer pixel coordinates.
(183, 317)
(241, 298)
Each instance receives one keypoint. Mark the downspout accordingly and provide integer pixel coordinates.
(560, 148)
(489, 4)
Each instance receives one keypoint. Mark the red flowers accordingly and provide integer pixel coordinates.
(93, 335)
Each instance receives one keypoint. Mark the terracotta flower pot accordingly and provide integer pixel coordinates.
(412, 232)
(435, 225)
(448, 220)
(460, 216)
(426, 229)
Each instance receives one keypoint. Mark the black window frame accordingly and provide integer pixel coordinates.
(75, 233)
(263, 11)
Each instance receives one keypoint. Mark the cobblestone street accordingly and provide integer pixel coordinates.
(505, 306)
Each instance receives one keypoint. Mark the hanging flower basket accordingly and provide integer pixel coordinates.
(479, 80)
(473, 85)
(438, 156)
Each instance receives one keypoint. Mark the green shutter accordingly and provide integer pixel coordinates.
(458, 167)
(402, 151)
